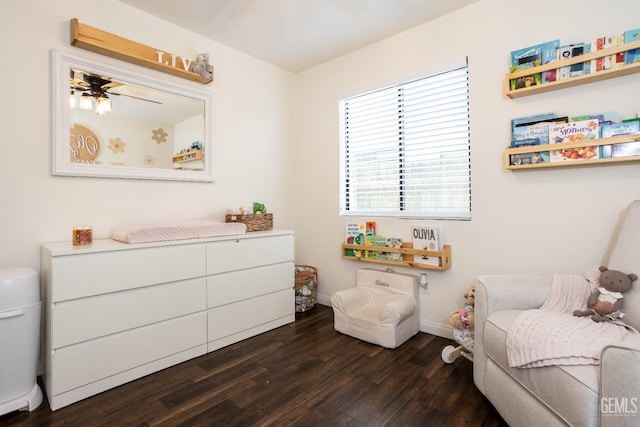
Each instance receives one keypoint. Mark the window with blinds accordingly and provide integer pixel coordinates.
(405, 149)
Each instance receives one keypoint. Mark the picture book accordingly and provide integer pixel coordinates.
(597, 64)
(526, 120)
(427, 237)
(617, 60)
(571, 51)
(632, 55)
(626, 149)
(614, 129)
(535, 134)
(584, 130)
(529, 158)
(608, 116)
(532, 56)
(354, 235)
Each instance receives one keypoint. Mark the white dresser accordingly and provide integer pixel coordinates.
(116, 312)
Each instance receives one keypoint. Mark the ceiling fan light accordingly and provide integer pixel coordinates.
(85, 102)
(103, 105)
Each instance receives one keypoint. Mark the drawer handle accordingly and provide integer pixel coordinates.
(10, 314)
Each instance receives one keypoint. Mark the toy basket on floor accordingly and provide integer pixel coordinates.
(306, 287)
(465, 338)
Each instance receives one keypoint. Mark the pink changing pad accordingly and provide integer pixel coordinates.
(146, 233)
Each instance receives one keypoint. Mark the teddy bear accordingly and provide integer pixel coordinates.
(201, 66)
(604, 303)
(464, 318)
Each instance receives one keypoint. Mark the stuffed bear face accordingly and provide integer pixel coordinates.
(616, 281)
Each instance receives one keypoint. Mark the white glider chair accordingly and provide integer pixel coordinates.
(382, 309)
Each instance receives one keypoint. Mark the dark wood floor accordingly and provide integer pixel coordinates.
(302, 374)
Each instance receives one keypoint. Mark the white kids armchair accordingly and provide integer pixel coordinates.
(382, 309)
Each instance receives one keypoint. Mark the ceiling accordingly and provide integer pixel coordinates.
(297, 34)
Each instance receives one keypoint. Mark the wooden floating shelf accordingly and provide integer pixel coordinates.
(620, 139)
(102, 42)
(573, 81)
(407, 252)
(190, 156)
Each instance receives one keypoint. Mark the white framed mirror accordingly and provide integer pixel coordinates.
(114, 123)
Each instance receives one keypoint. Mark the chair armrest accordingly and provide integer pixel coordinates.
(619, 387)
(511, 292)
(350, 300)
(502, 292)
(397, 309)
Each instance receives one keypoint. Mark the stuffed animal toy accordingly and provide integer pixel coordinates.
(604, 304)
(464, 318)
(201, 66)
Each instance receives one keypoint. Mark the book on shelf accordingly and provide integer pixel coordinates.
(354, 235)
(534, 133)
(529, 158)
(571, 51)
(584, 130)
(527, 120)
(608, 116)
(615, 129)
(617, 59)
(427, 238)
(597, 64)
(533, 56)
(632, 55)
(609, 129)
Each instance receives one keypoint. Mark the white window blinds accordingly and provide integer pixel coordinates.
(405, 150)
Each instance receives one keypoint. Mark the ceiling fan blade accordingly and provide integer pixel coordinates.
(135, 97)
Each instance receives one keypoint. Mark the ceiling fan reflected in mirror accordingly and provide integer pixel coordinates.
(96, 90)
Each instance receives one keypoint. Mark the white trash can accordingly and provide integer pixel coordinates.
(19, 339)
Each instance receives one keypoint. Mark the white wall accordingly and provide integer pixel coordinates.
(542, 221)
(252, 102)
(276, 141)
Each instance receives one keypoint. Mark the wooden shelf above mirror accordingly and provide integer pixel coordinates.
(104, 43)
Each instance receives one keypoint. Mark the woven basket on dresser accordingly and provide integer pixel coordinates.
(254, 222)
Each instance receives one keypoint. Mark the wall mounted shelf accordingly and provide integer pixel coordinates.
(573, 81)
(102, 42)
(189, 156)
(408, 255)
(621, 139)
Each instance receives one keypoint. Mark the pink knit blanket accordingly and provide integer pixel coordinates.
(551, 335)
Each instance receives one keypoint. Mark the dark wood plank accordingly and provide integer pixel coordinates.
(302, 374)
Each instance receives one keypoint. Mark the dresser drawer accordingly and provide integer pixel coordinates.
(99, 273)
(233, 318)
(92, 317)
(83, 363)
(244, 253)
(231, 287)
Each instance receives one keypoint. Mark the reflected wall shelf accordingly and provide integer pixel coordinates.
(408, 255)
(621, 139)
(573, 81)
(189, 156)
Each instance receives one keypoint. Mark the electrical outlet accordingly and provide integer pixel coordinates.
(424, 284)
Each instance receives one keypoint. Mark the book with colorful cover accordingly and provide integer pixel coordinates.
(632, 55)
(617, 60)
(533, 56)
(584, 130)
(354, 235)
(571, 51)
(427, 238)
(614, 129)
(597, 64)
